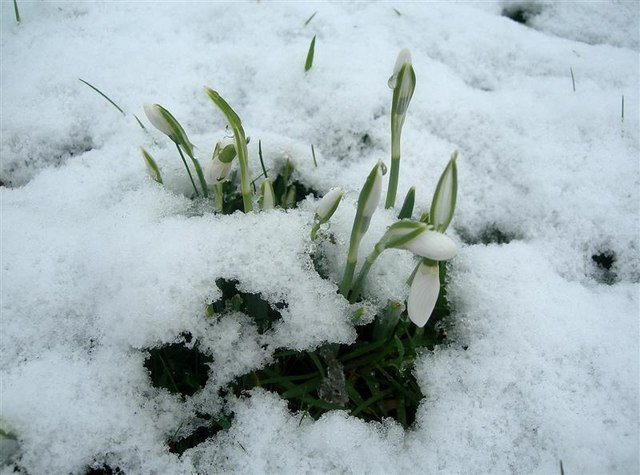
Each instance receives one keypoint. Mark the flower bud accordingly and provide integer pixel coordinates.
(403, 83)
(424, 293)
(152, 167)
(370, 194)
(267, 200)
(166, 123)
(443, 204)
(328, 205)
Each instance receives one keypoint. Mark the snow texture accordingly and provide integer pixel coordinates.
(101, 264)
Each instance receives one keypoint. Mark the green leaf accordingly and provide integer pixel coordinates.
(309, 63)
(407, 206)
(152, 166)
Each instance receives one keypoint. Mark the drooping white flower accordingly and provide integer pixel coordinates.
(328, 204)
(416, 237)
(218, 171)
(432, 245)
(424, 293)
(221, 162)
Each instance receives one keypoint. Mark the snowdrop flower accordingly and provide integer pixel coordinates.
(166, 123)
(413, 236)
(403, 83)
(327, 206)
(223, 155)
(444, 199)
(430, 244)
(267, 200)
(424, 293)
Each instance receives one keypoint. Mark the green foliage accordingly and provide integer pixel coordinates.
(372, 379)
(309, 62)
(178, 368)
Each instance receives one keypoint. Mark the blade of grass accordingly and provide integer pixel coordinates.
(573, 79)
(312, 47)
(306, 22)
(313, 154)
(397, 12)
(264, 170)
(106, 97)
(15, 10)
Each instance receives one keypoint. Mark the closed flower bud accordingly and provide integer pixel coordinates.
(371, 194)
(328, 205)
(424, 293)
(162, 120)
(443, 204)
(403, 83)
(267, 200)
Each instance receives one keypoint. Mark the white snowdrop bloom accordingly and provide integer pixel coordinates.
(218, 171)
(432, 245)
(423, 294)
(373, 198)
(328, 204)
(159, 121)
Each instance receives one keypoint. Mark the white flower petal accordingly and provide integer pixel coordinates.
(432, 245)
(423, 294)
(217, 171)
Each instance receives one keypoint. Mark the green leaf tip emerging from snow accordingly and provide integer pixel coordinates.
(312, 47)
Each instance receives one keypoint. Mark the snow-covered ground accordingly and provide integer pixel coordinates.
(100, 263)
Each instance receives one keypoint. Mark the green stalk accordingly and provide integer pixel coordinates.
(187, 167)
(203, 181)
(360, 226)
(314, 230)
(364, 271)
(241, 145)
(219, 196)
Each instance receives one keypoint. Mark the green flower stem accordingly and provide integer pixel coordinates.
(219, 196)
(360, 225)
(393, 179)
(314, 230)
(187, 167)
(364, 271)
(203, 181)
(241, 145)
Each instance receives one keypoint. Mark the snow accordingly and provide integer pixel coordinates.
(100, 263)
